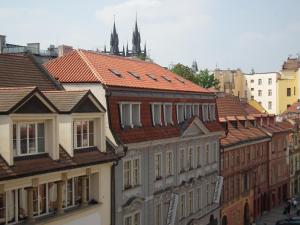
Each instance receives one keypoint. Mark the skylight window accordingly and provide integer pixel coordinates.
(134, 75)
(166, 78)
(115, 72)
(180, 80)
(153, 77)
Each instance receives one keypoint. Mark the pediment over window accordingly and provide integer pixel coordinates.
(194, 127)
(35, 104)
(133, 204)
(87, 105)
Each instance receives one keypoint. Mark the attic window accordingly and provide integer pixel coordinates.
(134, 75)
(153, 77)
(234, 124)
(180, 80)
(166, 78)
(115, 72)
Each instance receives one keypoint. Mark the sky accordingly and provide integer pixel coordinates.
(258, 34)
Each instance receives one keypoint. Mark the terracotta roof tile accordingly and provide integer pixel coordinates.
(87, 66)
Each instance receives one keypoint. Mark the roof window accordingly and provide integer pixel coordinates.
(180, 80)
(153, 77)
(115, 72)
(134, 75)
(166, 78)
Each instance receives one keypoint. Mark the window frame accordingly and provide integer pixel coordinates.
(169, 163)
(171, 122)
(153, 105)
(132, 215)
(191, 205)
(197, 105)
(182, 210)
(182, 165)
(17, 151)
(132, 183)
(158, 167)
(177, 112)
(131, 124)
(88, 133)
(158, 217)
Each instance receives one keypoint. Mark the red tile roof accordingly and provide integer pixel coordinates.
(294, 108)
(80, 66)
(230, 105)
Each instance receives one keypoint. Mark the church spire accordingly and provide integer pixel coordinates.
(136, 40)
(114, 41)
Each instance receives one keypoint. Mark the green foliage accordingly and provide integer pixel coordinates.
(202, 78)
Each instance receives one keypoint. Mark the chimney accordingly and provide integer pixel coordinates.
(64, 49)
(2, 43)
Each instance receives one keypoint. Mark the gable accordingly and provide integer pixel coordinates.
(86, 105)
(196, 128)
(33, 105)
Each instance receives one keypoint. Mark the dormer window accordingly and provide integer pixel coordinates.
(28, 138)
(130, 114)
(84, 133)
(205, 112)
(196, 109)
(188, 111)
(156, 114)
(180, 113)
(168, 113)
(212, 112)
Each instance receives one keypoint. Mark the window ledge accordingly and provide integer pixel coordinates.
(30, 156)
(69, 213)
(131, 188)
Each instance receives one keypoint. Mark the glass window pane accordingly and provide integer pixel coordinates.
(91, 139)
(22, 203)
(15, 139)
(35, 202)
(41, 144)
(91, 126)
(41, 130)
(85, 140)
(70, 192)
(32, 147)
(84, 127)
(52, 196)
(78, 138)
(42, 195)
(31, 130)
(23, 146)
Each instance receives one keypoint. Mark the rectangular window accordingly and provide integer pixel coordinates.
(158, 214)
(288, 92)
(270, 105)
(259, 82)
(252, 81)
(130, 114)
(205, 112)
(215, 152)
(156, 114)
(191, 203)
(259, 92)
(182, 206)
(207, 154)
(199, 199)
(196, 109)
(207, 194)
(133, 219)
(270, 81)
(198, 156)
(84, 133)
(181, 160)
(169, 168)
(252, 89)
(190, 158)
(188, 111)
(212, 112)
(252, 97)
(168, 113)
(131, 173)
(158, 166)
(269, 92)
(28, 138)
(180, 113)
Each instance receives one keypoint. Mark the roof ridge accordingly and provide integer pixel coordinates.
(83, 90)
(18, 88)
(89, 64)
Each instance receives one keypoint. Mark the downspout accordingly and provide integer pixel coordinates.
(113, 168)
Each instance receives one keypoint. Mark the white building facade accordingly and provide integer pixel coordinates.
(262, 88)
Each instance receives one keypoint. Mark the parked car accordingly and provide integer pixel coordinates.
(289, 221)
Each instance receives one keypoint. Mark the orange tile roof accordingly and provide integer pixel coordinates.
(81, 66)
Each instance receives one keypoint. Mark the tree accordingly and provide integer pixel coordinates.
(184, 71)
(207, 80)
(202, 78)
